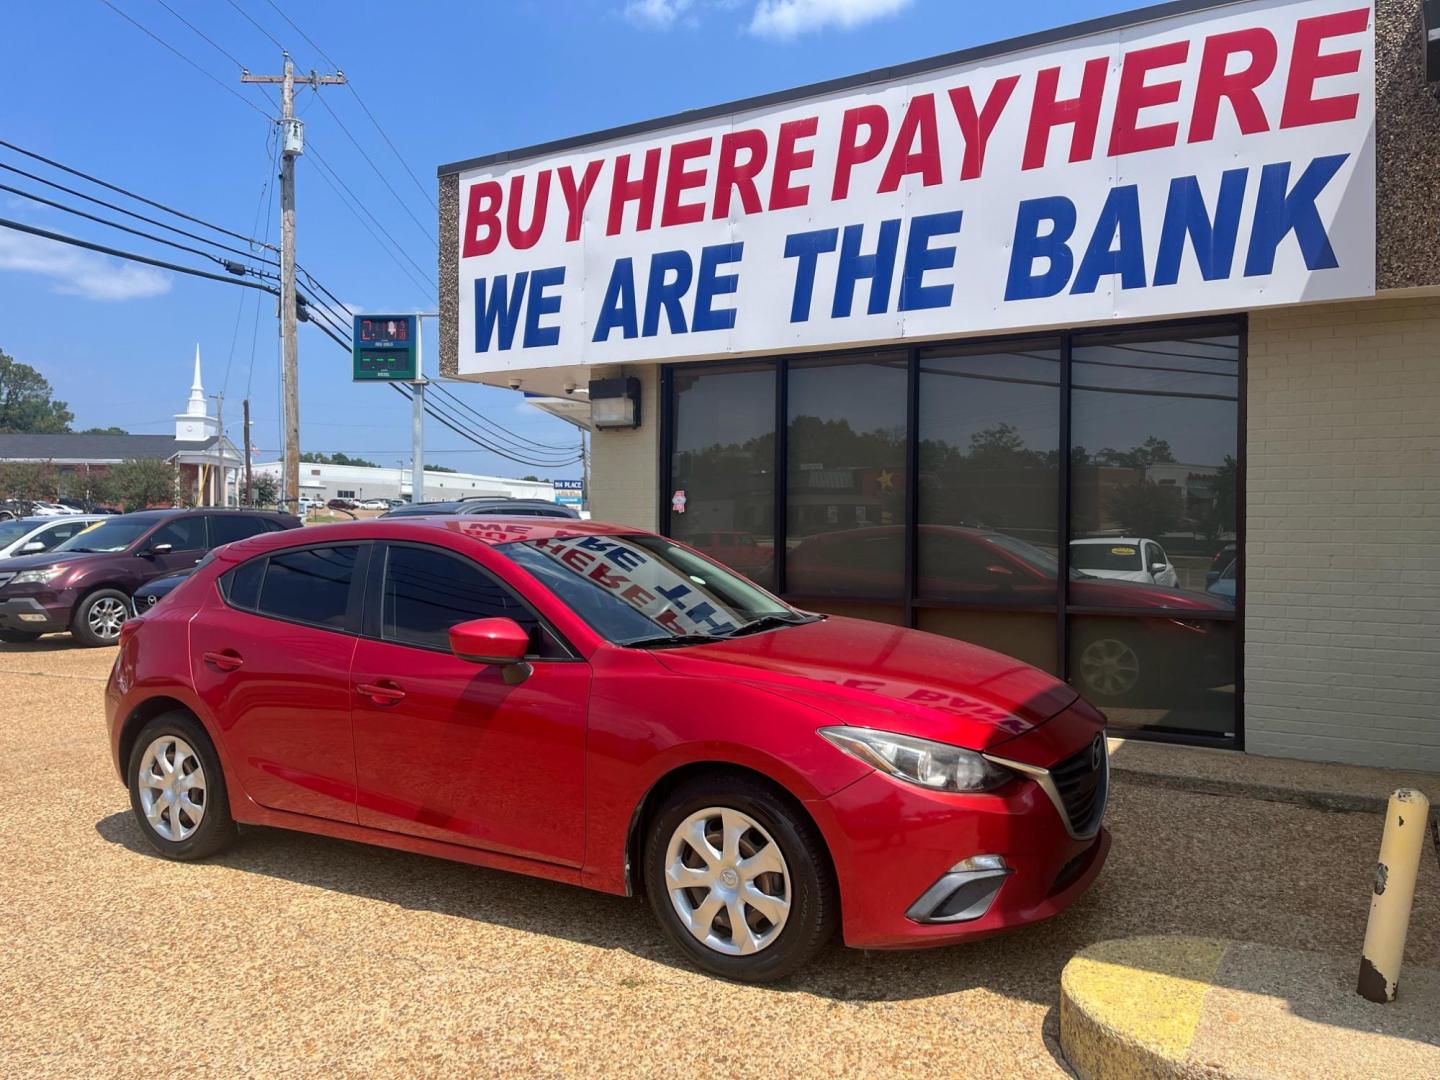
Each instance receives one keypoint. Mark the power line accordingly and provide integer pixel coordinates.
(161, 41)
(130, 194)
(131, 213)
(229, 264)
(389, 250)
(356, 143)
(133, 257)
(500, 428)
(250, 19)
(211, 41)
(359, 101)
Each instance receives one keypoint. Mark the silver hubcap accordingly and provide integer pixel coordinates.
(1110, 666)
(172, 787)
(728, 881)
(105, 616)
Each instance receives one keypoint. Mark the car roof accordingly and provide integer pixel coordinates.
(57, 519)
(490, 529)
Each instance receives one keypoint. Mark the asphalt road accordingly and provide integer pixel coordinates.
(295, 955)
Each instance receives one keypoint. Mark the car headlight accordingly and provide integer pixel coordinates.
(37, 577)
(934, 765)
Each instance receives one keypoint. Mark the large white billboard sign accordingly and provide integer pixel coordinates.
(1218, 160)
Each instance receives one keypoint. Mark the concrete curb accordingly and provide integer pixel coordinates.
(1209, 785)
(1209, 1008)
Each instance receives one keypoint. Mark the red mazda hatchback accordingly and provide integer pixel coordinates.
(608, 708)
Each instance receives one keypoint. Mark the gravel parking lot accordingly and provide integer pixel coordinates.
(297, 955)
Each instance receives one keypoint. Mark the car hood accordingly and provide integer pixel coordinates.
(50, 558)
(873, 675)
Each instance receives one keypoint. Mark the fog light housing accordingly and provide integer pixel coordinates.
(964, 893)
(980, 862)
(32, 616)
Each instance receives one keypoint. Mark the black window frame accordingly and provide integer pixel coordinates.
(372, 623)
(354, 601)
(1061, 610)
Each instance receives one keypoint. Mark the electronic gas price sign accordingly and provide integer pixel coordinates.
(385, 348)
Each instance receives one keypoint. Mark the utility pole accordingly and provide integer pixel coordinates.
(219, 450)
(292, 133)
(417, 421)
(249, 480)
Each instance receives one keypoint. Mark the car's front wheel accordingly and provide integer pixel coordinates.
(739, 879)
(177, 789)
(98, 617)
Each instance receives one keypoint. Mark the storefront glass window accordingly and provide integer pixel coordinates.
(989, 455)
(845, 476)
(723, 458)
(1143, 619)
(1154, 467)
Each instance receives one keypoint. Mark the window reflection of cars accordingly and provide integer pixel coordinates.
(733, 547)
(1120, 658)
(1124, 558)
(1224, 585)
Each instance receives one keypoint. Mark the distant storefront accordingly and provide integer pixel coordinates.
(1115, 349)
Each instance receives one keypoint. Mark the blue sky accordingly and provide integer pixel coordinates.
(446, 81)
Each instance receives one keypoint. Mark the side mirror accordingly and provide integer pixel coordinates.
(32, 546)
(999, 570)
(1158, 567)
(496, 641)
(160, 549)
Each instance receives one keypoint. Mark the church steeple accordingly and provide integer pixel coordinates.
(196, 406)
(194, 424)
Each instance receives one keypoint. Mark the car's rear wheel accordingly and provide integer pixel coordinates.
(19, 637)
(738, 879)
(1110, 669)
(98, 617)
(177, 790)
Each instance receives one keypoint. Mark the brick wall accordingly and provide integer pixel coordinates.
(1342, 627)
(624, 464)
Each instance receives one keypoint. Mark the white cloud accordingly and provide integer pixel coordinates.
(787, 19)
(77, 272)
(660, 14)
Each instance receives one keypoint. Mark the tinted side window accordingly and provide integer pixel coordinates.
(227, 528)
(311, 586)
(56, 533)
(241, 586)
(427, 591)
(183, 534)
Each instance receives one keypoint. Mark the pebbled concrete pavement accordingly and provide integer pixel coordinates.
(298, 956)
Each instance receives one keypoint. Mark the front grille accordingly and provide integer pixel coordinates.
(1081, 781)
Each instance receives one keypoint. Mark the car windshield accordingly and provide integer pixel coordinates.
(10, 531)
(645, 590)
(116, 534)
(1106, 556)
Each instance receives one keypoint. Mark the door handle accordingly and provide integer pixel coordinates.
(225, 661)
(383, 692)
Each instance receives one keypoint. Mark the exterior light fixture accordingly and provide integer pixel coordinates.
(615, 403)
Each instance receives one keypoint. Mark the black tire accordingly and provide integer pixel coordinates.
(216, 828)
(814, 910)
(80, 622)
(19, 637)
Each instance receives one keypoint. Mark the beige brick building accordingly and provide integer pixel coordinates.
(1221, 522)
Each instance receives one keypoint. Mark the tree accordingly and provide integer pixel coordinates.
(104, 431)
(140, 482)
(266, 490)
(25, 401)
(1145, 508)
(439, 468)
(27, 481)
(316, 457)
(1153, 451)
(527, 477)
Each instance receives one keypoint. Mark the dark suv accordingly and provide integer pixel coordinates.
(486, 504)
(85, 584)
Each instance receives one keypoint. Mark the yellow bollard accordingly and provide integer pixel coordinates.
(1407, 819)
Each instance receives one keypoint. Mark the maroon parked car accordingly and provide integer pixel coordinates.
(86, 583)
(1149, 644)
